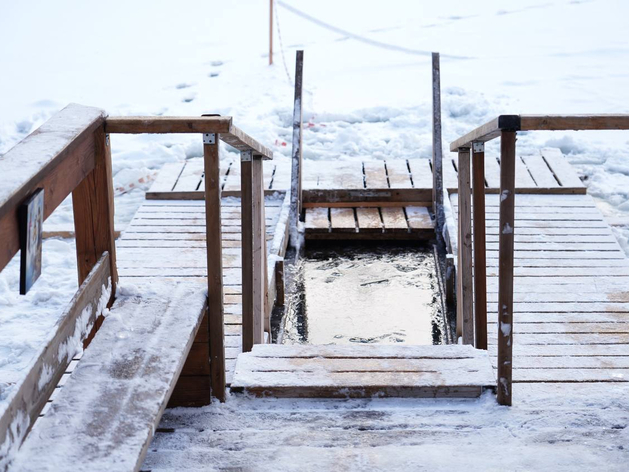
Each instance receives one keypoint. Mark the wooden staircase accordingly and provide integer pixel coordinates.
(363, 371)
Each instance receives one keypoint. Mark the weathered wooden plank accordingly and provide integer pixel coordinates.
(214, 258)
(540, 171)
(375, 174)
(421, 173)
(418, 218)
(136, 356)
(394, 219)
(573, 122)
(93, 210)
(369, 220)
(26, 400)
(522, 175)
(190, 177)
(56, 158)
(480, 263)
(342, 219)
(398, 173)
(167, 177)
(465, 297)
(317, 220)
(505, 284)
(563, 171)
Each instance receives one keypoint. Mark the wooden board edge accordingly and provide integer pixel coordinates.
(39, 383)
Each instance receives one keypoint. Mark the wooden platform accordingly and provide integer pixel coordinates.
(410, 222)
(571, 300)
(360, 371)
(547, 172)
(166, 241)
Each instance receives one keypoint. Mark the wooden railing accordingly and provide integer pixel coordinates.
(472, 298)
(68, 154)
(71, 154)
(254, 258)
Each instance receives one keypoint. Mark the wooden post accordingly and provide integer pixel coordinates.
(465, 302)
(246, 203)
(505, 264)
(93, 205)
(280, 297)
(437, 158)
(271, 34)
(214, 263)
(480, 256)
(296, 166)
(259, 251)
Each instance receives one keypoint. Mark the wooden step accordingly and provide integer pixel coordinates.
(379, 223)
(364, 370)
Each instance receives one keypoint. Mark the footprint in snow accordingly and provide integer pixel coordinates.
(183, 85)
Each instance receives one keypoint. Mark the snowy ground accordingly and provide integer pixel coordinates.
(194, 57)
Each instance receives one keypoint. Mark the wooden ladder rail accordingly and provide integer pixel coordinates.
(505, 127)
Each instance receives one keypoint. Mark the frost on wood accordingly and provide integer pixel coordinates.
(135, 355)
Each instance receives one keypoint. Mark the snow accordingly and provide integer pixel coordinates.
(360, 99)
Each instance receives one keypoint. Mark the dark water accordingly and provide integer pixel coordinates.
(366, 293)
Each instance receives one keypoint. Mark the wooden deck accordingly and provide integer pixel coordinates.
(166, 241)
(546, 173)
(571, 299)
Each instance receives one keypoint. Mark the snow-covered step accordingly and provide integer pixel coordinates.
(364, 370)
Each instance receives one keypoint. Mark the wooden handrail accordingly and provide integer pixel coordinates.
(221, 125)
(493, 128)
(505, 126)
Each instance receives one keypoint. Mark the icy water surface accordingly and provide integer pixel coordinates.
(366, 294)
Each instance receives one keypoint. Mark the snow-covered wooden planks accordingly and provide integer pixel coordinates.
(571, 291)
(363, 371)
(105, 416)
(387, 222)
(26, 400)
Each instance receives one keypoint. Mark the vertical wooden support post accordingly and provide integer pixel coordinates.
(505, 264)
(271, 33)
(214, 263)
(465, 302)
(246, 203)
(259, 251)
(93, 205)
(280, 297)
(296, 165)
(480, 259)
(437, 158)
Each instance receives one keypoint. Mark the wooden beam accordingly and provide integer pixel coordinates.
(465, 301)
(333, 196)
(573, 122)
(259, 252)
(296, 161)
(480, 262)
(505, 275)
(222, 125)
(93, 208)
(214, 266)
(27, 399)
(488, 131)
(271, 34)
(437, 151)
(246, 202)
(168, 124)
(56, 157)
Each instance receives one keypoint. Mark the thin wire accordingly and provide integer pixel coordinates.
(279, 35)
(369, 41)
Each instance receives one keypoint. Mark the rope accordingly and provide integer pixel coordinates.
(371, 42)
(279, 35)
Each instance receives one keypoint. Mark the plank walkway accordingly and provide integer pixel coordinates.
(547, 172)
(571, 290)
(166, 241)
